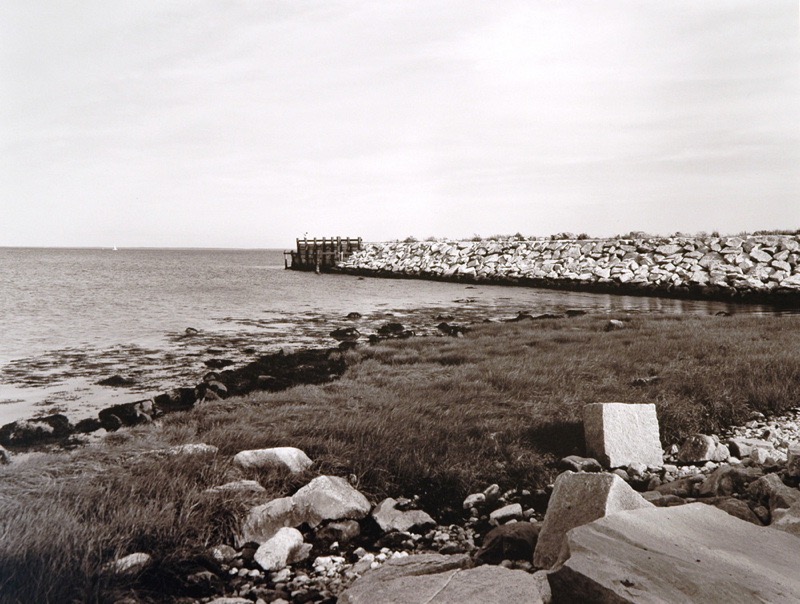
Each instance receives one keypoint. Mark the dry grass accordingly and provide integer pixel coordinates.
(434, 417)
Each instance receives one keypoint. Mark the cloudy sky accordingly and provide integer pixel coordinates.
(214, 123)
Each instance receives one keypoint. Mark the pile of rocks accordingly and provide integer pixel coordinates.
(311, 546)
(700, 266)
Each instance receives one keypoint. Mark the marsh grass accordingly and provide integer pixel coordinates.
(434, 417)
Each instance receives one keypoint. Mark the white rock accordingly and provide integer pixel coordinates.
(290, 458)
(193, 449)
(618, 434)
(389, 518)
(277, 551)
(130, 564)
(506, 513)
(473, 500)
(576, 500)
(264, 521)
(329, 498)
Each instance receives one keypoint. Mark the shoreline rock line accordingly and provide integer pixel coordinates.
(271, 372)
(764, 268)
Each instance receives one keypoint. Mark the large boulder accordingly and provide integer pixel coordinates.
(127, 414)
(438, 579)
(287, 458)
(389, 518)
(278, 551)
(578, 499)
(330, 498)
(33, 431)
(264, 521)
(690, 553)
(618, 434)
(179, 399)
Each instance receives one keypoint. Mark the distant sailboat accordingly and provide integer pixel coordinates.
(114, 248)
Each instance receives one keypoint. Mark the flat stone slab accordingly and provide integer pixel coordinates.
(618, 434)
(690, 553)
(578, 499)
(438, 579)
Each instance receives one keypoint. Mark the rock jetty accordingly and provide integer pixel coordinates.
(764, 267)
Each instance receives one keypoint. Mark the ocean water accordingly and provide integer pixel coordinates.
(70, 318)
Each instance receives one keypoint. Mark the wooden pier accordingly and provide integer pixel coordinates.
(320, 254)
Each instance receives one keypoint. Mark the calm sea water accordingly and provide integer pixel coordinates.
(72, 317)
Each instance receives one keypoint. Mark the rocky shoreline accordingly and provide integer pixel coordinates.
(327, 543)
(754, 269)
(271, 373)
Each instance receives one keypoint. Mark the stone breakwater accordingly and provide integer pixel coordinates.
(758, 268)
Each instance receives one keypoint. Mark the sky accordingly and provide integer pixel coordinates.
(209, 123)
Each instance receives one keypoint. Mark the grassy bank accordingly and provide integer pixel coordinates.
(435, 417)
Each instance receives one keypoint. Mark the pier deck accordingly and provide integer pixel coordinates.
(320, 255)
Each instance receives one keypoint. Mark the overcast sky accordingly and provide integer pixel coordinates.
(245, 124)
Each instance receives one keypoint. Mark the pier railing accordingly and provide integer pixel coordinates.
(320, 254)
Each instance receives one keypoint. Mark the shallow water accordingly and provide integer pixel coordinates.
(72, 317)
